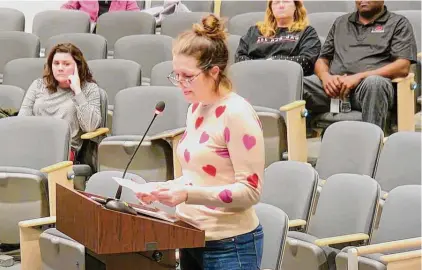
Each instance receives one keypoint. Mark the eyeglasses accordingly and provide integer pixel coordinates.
(186, 82)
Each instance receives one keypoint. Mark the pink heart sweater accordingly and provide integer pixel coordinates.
(222, 158)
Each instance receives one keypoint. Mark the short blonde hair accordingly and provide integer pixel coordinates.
(269, 26)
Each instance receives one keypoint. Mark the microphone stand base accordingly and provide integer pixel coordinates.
(120, 206)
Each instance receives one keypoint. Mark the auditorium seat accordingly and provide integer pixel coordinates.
(400, 220)
(405, 109)
(14, 45)
(176, 23)
(329, 6)
(160, 72)
(414, 17)
(23, 72)
(407, 88)
(274, 224)
(344, 215)
(268, 85)
(28, 144)
(54, 22)
(92, 46)
(11, 20)
(230, 8)
(233, 43)
(403, 5)
(133, 111)
(115, 25)
(105, 72)
(200, 6)
(323, 21)
(60, 252)
(11, 97)
(194, 6)
(146, 50)
(400, 161)
(240, 24)
(291, 186)
(349, 147)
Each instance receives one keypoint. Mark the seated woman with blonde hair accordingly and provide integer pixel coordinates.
(284, 34)
(67, 91)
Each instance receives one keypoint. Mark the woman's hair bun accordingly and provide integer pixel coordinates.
(211, 27)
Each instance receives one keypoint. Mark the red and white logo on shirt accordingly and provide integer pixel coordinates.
(290, 38)
(378, 29)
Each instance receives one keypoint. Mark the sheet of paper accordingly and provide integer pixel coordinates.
(135, 187)
(335, 105)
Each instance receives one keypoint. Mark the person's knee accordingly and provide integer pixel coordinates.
(310, 84)
(376, 81)
(378, 86)
(309, 81)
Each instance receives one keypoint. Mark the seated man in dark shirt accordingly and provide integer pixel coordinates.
(284, 35)
(363, 52)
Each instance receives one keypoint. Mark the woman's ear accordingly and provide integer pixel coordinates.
(214, 72)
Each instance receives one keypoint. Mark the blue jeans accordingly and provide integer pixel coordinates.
(242, 252)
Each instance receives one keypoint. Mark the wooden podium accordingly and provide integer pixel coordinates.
(119, 240)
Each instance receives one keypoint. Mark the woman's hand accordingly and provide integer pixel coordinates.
(74, 81)
(145, 195)
(171, 195)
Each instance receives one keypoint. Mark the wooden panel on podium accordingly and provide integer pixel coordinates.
(109, 232)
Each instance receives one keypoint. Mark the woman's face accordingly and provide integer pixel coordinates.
(196, 86)
(63, 66)
(283, 9)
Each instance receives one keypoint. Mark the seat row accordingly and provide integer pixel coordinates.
(347, 147)
(113, 26)
(146, 50)
(295, 244)
(347, 205)
(284, 131)
(12, 19)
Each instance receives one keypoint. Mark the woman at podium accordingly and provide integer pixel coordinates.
(221, 154)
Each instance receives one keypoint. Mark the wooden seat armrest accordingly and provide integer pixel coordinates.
(389, 246)
(401, 256)
(406, 102)
(57, 167)
(95, 133)
(60, 173)
(406, 260)
(296, 130)
(297, 223)
(37, 222)
(29, 239)
(341, 239)
(293, 105)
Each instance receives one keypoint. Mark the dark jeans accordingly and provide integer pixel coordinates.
(242, 252)
(373, 97)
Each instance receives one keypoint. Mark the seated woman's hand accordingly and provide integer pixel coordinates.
(74, 80)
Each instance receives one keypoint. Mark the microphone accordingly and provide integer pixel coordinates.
(116, 204)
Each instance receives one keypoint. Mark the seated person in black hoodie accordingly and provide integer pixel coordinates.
(284, 34)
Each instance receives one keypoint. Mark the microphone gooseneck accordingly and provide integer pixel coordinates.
(116, 204)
